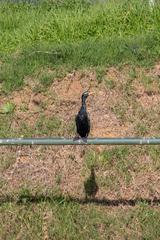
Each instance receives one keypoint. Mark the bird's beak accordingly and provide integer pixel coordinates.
(91, 93)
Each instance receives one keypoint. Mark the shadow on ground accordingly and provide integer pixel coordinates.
(61, 199)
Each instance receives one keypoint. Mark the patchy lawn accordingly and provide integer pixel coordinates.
(43, 71)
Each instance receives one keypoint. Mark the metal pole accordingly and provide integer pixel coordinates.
(70, 141)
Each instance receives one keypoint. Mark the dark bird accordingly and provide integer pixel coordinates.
(82, 119)
(90, 185)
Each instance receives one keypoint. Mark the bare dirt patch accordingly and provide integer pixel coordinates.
(149, 101)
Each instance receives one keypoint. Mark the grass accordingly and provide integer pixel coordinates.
(75, 35)
(5, 122)
(7, 108)
(57, 24)
(48, 126)
(119, 159)
(6, 160)
(73, 56)
(46, 79)
(42, 42)
(118, 165)
(141, 129)
(61, 219)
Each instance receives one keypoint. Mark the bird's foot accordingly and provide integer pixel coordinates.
(84, 139)
(76, 138)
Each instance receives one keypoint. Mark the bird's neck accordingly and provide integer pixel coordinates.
(84, 103)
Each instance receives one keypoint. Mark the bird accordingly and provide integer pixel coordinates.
(90, 185)
(82, 119)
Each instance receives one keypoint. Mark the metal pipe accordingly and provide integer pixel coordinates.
(70, 141)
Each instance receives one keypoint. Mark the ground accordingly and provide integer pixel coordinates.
(50, 53)
(116, 109)
(51, 178)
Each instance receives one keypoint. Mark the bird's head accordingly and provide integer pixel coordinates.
(85, 95)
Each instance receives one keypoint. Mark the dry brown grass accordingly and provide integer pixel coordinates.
(114, 112)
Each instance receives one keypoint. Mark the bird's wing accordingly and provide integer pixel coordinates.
(77, 119)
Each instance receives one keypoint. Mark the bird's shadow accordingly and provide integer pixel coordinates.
(90, 185)
(90, 188)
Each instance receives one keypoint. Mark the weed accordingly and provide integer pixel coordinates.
(91, 159)
(5, 123)
(141, 129)
(58, 179)
(133, 73)
(24, 195)
(7, 108)
(46, 79)
(109, 83)
(151, 85)
(49, 126)
(25, 130)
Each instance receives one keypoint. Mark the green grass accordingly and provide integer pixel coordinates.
(43, 42)
(46, 79)
(7, 108)
(50, 126)
(5, 123)
(86, 54)
(48, 23)
(141, 129)
(62, 219)
(75, 35)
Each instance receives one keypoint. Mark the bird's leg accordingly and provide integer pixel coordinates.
(76, 138)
